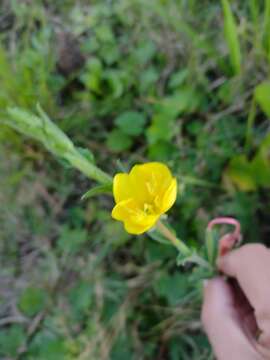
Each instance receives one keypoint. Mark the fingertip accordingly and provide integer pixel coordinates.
(216, 289)
(215, 283)
(236, 261)
(220, 262)
(217, 298)
(225, 264)
(220, 320)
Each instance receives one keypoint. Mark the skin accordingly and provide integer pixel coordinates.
(236, 308)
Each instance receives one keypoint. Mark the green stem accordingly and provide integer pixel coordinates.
(90, 170)
(200, 261)
(182, 247)
(250, 123)
(179, 244)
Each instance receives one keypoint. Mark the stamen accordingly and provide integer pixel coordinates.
(148, 208)
(150, 187)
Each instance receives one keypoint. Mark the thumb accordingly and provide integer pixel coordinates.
(222, 323)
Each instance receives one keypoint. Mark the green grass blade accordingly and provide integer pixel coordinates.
(230, 31)
(254, 11)
(266, 30)
(250, 123)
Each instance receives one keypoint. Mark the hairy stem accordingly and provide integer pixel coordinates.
(179, 244)
(182, 247)
(88, 169)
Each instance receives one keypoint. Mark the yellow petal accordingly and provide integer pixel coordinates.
(137, 229)
(149, 180)
(122, 189)
(168, 198)
(135, 220)
(126, 209)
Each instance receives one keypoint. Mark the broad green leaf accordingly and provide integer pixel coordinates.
(104, 33)
(115, 233)
(231, 36)
(229, 90)
(117, 141)
(92, 75)
(158, 252)
(178, 78)
(131, 122)
(262, 96)
(184, 100)
(49, 346)
(11, 339)
(148, 79)
(32, 300)
(101, 189)
(241, 174)
(172, 287)
(115, 82)
(81, 297)
(162, 151)
(71, 240)
(110, 53)
(122, 349)
(145, 52)
(161, 128)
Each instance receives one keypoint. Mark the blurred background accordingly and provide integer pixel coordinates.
(184, 82)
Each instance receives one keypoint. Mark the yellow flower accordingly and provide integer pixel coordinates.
(143, 195)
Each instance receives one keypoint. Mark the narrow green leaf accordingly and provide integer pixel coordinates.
(254, 10)
(230, 31)
(32, 301)
(131, 122)
(211, 246)
(117, 141)
(250, 122)
(266, 30)
(262, 96)
(101, 189)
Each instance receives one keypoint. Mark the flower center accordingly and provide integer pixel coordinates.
(148, 209)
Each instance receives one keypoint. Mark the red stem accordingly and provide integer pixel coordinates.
(227, 220)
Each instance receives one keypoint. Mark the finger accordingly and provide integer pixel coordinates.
(222, 323)
(250, 265)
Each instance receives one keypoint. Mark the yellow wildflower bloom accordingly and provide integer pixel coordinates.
(143, 195)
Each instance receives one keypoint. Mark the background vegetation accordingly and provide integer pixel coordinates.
(179, 81)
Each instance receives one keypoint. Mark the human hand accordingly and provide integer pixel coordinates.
(236, 312)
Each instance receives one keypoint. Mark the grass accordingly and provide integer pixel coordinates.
(192, 81)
